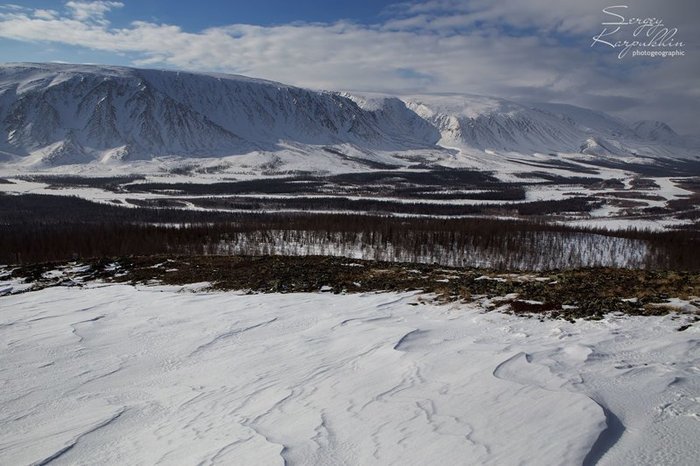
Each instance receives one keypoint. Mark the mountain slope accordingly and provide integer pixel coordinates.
(57, 114)
(655, 131)
(73, 114)
(484, 123)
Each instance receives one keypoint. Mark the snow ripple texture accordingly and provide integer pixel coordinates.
(160, 375)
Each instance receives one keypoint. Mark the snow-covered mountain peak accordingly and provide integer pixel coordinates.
(57, 72)
(463, 105)
(64, 114)
(484, 123)
(152, 112)
(655, 131)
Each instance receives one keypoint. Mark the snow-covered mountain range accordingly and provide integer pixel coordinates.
(59, 114)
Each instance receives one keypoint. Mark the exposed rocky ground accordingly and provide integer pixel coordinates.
(567, 294)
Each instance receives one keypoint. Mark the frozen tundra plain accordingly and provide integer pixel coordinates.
(117, 374)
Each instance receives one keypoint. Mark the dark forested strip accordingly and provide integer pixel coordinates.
(41, 228)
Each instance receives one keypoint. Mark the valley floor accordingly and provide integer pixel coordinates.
(169, 374)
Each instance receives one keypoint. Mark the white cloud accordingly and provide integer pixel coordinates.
(83, 11)
(45, 14)
(434, 46)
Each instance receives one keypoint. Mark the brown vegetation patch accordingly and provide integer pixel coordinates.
(587, 293)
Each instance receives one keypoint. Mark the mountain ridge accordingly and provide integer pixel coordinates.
(64, 114)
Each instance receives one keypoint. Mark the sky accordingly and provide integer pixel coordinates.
(524, 50)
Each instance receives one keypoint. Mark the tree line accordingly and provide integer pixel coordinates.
(37, 228)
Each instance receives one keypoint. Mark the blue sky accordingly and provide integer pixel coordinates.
(527, 50)
(264, 12)
(194, 16)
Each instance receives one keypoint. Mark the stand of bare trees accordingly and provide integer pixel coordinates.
(46, 228)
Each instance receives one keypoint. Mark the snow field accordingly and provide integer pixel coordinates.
(161, 375)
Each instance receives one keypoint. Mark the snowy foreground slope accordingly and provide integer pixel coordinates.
(54, 115)
(113, 374)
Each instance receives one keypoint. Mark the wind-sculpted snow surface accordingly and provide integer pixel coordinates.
(124, 375)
